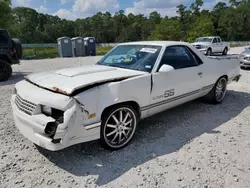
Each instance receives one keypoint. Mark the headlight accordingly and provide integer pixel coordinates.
(58, 115)
(241, 56)
(204, 47)
(47, 110)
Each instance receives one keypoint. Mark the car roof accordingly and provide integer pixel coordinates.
(209, 37)
(156, 43)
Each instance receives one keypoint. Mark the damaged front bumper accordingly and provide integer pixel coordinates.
(46, 131)
(33, 128)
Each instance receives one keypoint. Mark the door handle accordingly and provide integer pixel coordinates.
(200, 73)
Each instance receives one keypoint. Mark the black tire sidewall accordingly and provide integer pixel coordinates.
(225, 51)
(209, 50)
(8, 74)
(105, 118)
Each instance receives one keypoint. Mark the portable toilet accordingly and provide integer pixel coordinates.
(64, 47)
(78, 48)
(90, 46)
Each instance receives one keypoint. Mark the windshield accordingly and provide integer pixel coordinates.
(204, 39)
(136, 57)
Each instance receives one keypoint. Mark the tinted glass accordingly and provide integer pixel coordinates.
(3, 38)
(178, 57)
(215, 40)
(204, 39)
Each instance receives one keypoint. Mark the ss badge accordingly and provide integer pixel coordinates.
(166, 94)
(169, 93)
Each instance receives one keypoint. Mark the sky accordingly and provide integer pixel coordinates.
(73, 9)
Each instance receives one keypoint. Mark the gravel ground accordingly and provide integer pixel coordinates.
(193, 145)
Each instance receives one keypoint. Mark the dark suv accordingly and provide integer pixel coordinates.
(10, 53)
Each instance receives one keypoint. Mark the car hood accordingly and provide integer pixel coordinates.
(201, 43)
(246, 52)
(66, 81)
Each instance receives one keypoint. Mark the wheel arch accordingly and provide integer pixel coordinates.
(134, 104)
(225, 76)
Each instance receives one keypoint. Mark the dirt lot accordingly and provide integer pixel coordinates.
(193, 145)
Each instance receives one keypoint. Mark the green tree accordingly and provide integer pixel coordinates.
(195, 7)
(185, 19)
(166, 30)
(26, 20)
(231, 22)
(5, 14)
(155, 17)
(203, 26)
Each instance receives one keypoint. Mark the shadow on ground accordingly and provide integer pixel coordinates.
(16, 77)
(159, 135)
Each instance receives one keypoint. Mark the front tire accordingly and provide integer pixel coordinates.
(209, 52)
(118, 127)
(5, 70)
(217, 94)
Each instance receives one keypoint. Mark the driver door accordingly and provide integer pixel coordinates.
(216, 47)
(179, 85)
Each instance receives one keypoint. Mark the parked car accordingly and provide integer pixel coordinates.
(245, 58)
(10, 53)
(211, 45)
(106, 100)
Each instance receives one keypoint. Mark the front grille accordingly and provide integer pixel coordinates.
(24, 105)
(198, 46)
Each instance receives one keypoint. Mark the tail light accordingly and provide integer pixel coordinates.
(14, 50)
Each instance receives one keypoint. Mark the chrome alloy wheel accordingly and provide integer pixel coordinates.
(119, 127)
(221, 89)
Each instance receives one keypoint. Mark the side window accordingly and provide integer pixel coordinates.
(219, 40)
(178, 57)
(3, 38)
(195, 56)
(215, 40)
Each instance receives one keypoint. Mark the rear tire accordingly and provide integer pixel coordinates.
(5, 70)
(218, 93)
(118, 127)
(225, 51)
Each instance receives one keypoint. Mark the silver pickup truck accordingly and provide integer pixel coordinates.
(211, 45)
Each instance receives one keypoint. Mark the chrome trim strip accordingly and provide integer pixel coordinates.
(169, 100)
(92, 126)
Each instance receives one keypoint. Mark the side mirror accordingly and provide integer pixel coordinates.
(166, 68)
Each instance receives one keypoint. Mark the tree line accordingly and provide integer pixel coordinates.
(231, 21)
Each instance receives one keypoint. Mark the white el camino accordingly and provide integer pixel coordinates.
(106, 100)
